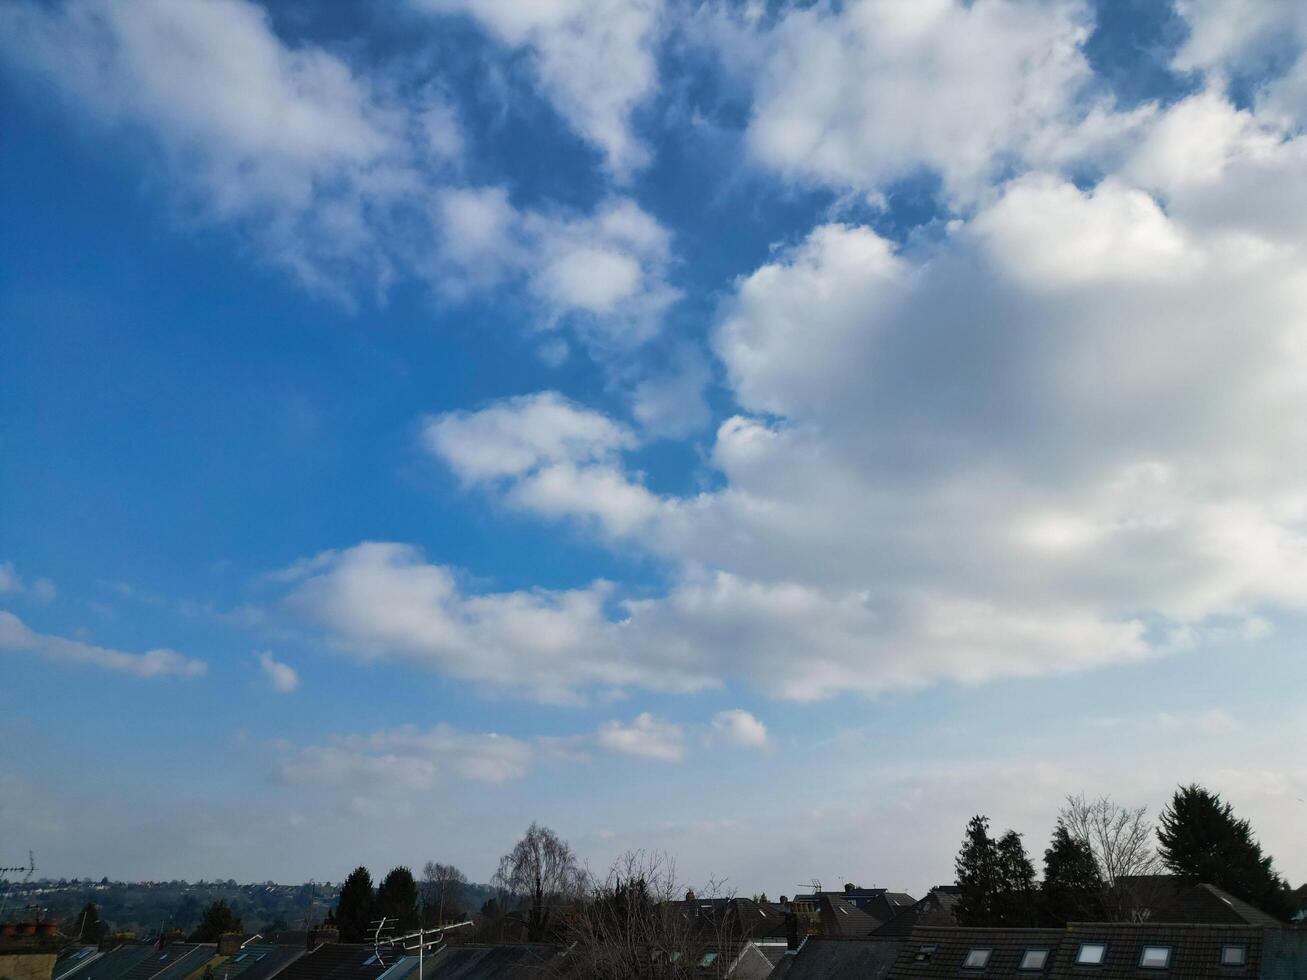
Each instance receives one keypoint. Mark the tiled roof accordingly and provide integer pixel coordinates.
(172, 961)
(824, 958)
(116, 963)
(256, 962)
(937, 908)
(73, 959)
(1209, 904)
(934, 953)
(476, 962)
(335, 961)
(844, 919)
(1196, 951)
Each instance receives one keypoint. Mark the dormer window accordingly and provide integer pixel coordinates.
(1091, 954)
(1155, 958)
(978, 958)
(1033, 960)
(1234, 954)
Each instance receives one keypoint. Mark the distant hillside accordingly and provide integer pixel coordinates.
(145, 907)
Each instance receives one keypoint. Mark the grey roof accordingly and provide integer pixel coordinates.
(1195, 952)
(841, 918)
(257, 962)
(116, 963)
(183, 959)
(1210, 905)
(937, 908)
(335, 961)
(73, 959)
(826, 958)
(477, 962)
(939, 953)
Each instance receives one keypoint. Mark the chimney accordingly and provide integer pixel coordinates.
(791, 930)
(229, 944)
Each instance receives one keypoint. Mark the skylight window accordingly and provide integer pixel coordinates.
(1091, 954)
(1234, 954)
(1155, 957)
(925, 953)
(977, 959)
(1033, 959)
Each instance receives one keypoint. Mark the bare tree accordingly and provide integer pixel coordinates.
(442, 892)
(1121, 839)
(542, 874)
(634, 924)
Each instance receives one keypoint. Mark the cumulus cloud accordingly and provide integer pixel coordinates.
(343, 175)
(289, 143)
(871, 91)
(1066, 435)
(593, 59)
(17, 637)
(738, 727)
(646, 736)
(281, 677)
(551, 457)
(42, 589)
(518, 435)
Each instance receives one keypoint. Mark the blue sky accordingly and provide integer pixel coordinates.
(768, 433)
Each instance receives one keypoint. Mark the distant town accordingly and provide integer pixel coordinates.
(1192, 896)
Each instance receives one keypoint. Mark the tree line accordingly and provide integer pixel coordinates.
(1101, 857)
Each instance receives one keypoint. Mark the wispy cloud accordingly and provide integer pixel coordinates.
(16, 636)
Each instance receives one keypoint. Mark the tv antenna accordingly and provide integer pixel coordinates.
(386, 944)
(7, 886)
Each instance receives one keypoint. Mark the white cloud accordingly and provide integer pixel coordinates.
(671, 403)
(408, 758)
(646, 737)
(337, 173)
(518, 435)
(281, 677)
(382, 601)
(593, 59)
(42, 589)
(1062, 437)
(288, 142)
(871, 91)
(553, 457)
(16, 636)
(738, 727)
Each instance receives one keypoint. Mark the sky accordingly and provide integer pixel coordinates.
(768, 433)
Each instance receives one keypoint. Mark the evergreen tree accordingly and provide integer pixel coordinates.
(354, 910)
(1073, 887)
(217, 919)
(397, 898)
(1015, 903)
(88, 924)
(978, 875)
(1204, 841)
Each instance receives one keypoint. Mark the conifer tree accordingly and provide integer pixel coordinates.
(1016, 901)
(978, 875)
(1073, 887)
(1204, 841)
(397, 898)
(218, 918)
(355, 909)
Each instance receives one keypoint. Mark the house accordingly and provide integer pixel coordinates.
(1090, 951)
(937, 908)
(829, 958)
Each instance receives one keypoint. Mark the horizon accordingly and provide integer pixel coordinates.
(761, 432)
